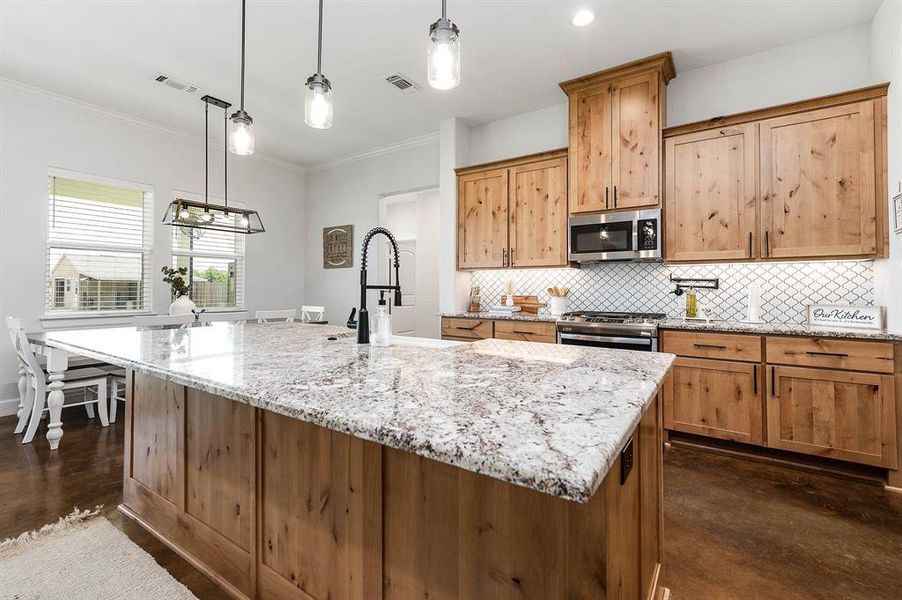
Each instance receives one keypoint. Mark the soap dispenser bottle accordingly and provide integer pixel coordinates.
(380, 327)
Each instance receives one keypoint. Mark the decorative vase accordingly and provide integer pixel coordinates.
(558, 305)
(181, 306)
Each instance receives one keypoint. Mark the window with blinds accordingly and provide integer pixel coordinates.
(215, 263)
(99, 244)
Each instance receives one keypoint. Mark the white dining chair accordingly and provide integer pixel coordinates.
(313, 313)
(287, 316)
(162, 321)
(36, 392)
(117, 393)
(223, 317)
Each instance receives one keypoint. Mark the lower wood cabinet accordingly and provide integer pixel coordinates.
(467, 330)
(470, 330)
(838, 414)
(717, 398)
(526, 331)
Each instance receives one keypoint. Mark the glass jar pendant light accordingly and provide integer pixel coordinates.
(318, 101)
(241, 125)
(443, 56)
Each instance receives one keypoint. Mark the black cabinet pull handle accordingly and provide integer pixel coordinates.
(750, 244)
(471, 328)
(504, 257)
(512, 256)
(833, 354)
(755, 379)
(606, 196)
(615, 196)
(711, 346)
(766, 243)
(773, 381)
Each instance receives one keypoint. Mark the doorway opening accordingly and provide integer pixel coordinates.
(413, 218)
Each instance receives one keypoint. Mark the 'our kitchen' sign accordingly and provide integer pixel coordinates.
(833, 315)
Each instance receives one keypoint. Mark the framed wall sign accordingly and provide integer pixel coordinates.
(853, 317)
(338, 247)
(897, 212)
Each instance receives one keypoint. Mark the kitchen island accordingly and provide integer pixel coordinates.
(286, 461)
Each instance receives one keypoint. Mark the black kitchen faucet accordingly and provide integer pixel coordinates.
(363, 318)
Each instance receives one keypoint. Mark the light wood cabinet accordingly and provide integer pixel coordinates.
(802, 180)
(709, 195)
(838, 414)
(467, 329)
(526, 331)
(717, 398)
(615, 124)
(470, 330)
(513, 213)
(817, 183)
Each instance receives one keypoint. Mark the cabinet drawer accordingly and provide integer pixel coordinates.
(526, 331)
(831, 353)
(838, 414)
(717, 398)
(466, 329)
(725, 346)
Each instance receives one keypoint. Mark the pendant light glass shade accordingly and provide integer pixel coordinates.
(443, 55)
(241, 125)
(318, 103)
(241, 134)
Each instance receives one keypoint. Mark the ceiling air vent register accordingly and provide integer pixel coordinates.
(176, 84)
(402, 82)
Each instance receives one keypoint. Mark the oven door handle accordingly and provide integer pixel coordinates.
(608, 339)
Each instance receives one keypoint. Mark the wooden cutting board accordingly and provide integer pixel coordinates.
(527, 304)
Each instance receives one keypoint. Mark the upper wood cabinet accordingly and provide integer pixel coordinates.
(818, 192)
(709, 195)
(616, 117)
(513, 213)
(798, 181)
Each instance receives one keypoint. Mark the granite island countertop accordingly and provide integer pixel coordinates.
(800, 329)
(549, 417)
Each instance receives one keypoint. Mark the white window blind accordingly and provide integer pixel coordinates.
(99, 244)
(215, 263)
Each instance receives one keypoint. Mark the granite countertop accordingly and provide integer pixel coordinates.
(549, 417)
(520, 316)
(780, 329)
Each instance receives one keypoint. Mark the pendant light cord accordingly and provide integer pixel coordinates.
(444, 9)
(319, 45)
(225, 159)
(206, 153)
(243, 11)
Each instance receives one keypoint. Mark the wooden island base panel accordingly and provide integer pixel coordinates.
(273, 507)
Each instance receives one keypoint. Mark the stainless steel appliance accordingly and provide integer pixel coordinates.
(625, 331)
(626, 235)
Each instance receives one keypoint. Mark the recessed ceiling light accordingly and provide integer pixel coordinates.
(583, 17)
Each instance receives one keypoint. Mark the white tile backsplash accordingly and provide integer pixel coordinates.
(645, 287)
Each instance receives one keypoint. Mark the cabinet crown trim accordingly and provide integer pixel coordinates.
(512, 162)
(659, 62)
(848, 97)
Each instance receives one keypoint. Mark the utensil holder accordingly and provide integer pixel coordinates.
(558, 305)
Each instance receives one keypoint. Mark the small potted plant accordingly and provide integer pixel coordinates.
(181, 303)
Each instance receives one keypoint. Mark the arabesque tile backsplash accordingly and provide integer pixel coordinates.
(645, 287)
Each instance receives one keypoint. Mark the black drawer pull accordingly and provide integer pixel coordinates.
(773, 381)
(711, 346)
(471, 328)
(833, 354)
(755, 379)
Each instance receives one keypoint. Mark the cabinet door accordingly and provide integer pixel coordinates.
(818, 183)
(590, 149)
(716, 398)
(709, 195)
(838, 414)
(482, 220)
(538, 214)
(636, 144)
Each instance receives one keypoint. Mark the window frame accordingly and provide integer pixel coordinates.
(145, 249)
(240, 254)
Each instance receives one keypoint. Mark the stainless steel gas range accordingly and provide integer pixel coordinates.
(625, 331)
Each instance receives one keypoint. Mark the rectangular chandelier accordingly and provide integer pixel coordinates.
(197, 214)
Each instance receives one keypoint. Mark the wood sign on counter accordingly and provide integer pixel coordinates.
(837, 315)
(338, 247)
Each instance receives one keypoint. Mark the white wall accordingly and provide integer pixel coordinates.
(886, 65)
(454, 143)
(38, 131)
(526, 133)
(349, 194)
(818, 66)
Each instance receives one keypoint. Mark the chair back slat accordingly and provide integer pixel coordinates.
(287, 316)
(310, 312)
(229, 317)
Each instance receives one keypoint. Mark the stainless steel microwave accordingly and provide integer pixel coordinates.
(626, 235)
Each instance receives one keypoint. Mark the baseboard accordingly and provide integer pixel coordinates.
(9, 407)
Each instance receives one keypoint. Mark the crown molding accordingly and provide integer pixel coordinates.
(41, 93)
(413, 142)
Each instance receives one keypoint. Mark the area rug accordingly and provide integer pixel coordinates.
(80, 557)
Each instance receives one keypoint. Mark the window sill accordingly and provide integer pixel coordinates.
(95, 315)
